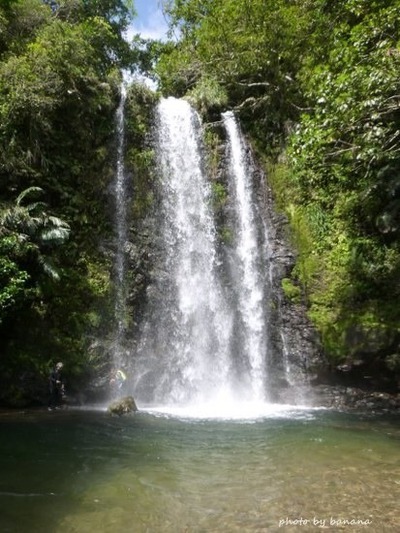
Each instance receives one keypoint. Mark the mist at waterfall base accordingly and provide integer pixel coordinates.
(204, 344)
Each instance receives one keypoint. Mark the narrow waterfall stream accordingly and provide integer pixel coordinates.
(247, 266)
(120, 186)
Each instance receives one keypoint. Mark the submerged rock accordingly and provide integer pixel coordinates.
(122, 406)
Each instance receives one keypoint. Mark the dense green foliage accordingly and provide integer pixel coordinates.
(60, 64)
(346, 171)
(317, 88)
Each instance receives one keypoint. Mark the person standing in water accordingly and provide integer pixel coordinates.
(56, 387)
(117, 382)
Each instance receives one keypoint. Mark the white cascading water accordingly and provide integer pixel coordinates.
(246, 267)
(203, 348)
(121, 231)
(184, 353)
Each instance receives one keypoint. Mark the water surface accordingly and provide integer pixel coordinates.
(84, 471)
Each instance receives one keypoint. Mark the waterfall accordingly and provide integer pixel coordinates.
(184, 353)
(120, 186)
(247, 267)
(205, 334)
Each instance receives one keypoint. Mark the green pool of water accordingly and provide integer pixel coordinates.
(85, 471)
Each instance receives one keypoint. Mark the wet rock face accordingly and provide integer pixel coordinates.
(295, 340)
(354, 399)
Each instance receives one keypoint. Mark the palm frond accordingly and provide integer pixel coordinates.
(15, 219)
(34, 206)
(54, 235)
(58, 222)
(34, 229)
(27, 192)
(48, 268)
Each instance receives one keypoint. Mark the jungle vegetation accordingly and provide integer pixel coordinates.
(60, 73)
(316, 86)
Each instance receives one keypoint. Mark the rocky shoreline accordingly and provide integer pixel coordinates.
(356, 400)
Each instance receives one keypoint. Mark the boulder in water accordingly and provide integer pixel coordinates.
(122, 406)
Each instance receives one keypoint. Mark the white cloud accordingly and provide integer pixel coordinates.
(155, 28)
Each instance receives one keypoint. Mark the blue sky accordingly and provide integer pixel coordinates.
(150, 22)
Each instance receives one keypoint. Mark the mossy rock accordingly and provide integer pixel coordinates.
(123, 406)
